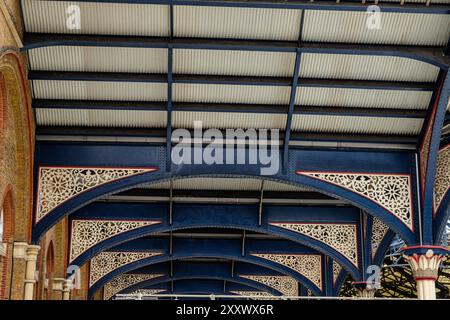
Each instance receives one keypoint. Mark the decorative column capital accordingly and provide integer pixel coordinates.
(20, 250)
(32, 252)
(424, 260)
(366, 289)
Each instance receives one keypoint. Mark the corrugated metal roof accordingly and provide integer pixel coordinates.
(241, 23)
(99, 59)
(396, 28)
(356, 124)
(228, 120)
(230, 93)
(218, 183)
(96, 90)
(97, 18)
(340, 97)
(366, 67)
(231, 62)
(106, 118)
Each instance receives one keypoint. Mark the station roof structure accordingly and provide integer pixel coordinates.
(133, 71)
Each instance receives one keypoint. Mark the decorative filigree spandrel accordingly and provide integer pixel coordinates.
(87, 233)
(147, 292)
(392, 192)
(59, 184)
(442, 182)
(308, 265)
(379, 230)
(255, 295)
(337, 268)
(340, 237)
(124, 281)
(284, 284)
(108, 261)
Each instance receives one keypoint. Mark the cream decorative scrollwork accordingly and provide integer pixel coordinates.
(341, 237)
(108, 261)
(124, 281)
(392, 192)
(147, 292)
(284, 284)
(87, 233)
(442, 183)
(59, 184)
(337, 268)
(379, 230)
(308, 265)
(255, 295)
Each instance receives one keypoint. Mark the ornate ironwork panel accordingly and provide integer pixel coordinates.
(284, 284)
(308, 265)
(59, 184)
(124, 281)
(108, 261)
(442, 183)
(256, 295)
(379, 230)
(392, 192)
(87, 233)
(337, 268)
(341, 237)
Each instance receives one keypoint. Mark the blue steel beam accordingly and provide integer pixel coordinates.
(435, 123)
(208, 250)
(169, 110)
(233, 108)
(138, 155)
(431, 55)
(287, 128)
(296, 4)
(244, 217)
(233, 80)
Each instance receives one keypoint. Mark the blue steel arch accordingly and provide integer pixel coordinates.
(239, 280)
(213, 251)
(246, 220)
(291, 178)
(200, 286)
(167, 258)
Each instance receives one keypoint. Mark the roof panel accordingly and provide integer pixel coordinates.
(96, 90)
(226, 120)
(231, 62)
(106, 118)
(241, 23)
(99, 59)
(97, 18)
(366, 67)
(186, 92)
(340, 97)
(355, 124)
(396, 28)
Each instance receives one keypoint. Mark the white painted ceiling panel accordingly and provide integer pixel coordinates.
(99, 59)
(232, 62)
(365, 67)
(105, 118)
(228, 120)
(356, 124)
(395, 28)
(96, 18)
(340, 97)
(238, 23)
(96, 90)
(186, 92)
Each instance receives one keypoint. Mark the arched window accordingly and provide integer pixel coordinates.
(2, 246)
